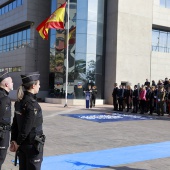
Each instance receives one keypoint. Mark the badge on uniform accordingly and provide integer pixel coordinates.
(35, 111)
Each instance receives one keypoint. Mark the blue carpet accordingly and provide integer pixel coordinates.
(103, 117)
(109, 157)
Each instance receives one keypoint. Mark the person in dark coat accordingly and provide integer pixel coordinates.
(147, 83)
(26, 130)
(128, 97)
(151, 100)
(93, 96)
(120, 97)
(6, 85)
(135, 97)
(114, 95)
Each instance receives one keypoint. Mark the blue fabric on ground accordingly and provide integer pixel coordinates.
(103, 117)
(109, 157)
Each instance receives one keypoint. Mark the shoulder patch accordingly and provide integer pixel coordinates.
(35, 111)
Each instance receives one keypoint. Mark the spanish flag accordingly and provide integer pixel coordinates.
(71, 36)
(56, 21)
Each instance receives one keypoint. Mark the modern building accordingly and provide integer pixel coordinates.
(109, 41)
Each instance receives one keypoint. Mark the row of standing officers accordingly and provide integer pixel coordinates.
(27, 138)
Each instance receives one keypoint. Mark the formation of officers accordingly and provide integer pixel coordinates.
(27, 138)
(148, 98)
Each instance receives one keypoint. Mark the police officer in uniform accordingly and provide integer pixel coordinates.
(6, 85)
(26, 130)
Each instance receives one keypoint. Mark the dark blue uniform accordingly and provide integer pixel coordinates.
(5, 121)
(26, 127)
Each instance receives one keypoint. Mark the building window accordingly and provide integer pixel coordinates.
(161, 41)
(11, 69)
(14, 41)
(165, 3)
(10, 6)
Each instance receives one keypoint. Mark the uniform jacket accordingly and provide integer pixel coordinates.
(27, 121)
(5, 108)
(5, 116)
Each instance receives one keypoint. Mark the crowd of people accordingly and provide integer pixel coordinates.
(148, 98)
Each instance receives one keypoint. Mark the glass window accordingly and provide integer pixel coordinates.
(53, 5)
(24, 37)
(6, 9)
(162, 3)
(92, 27)
(3, 10)
(155, 40)
(10, 6)
(99, 47)
(81, 26)
(10, 69)
(14, 4)
(15, 41)
(167, 3)
(19, 68)
(163, 41)
(4, 43)
(81, 41)
(100, 17)
(19, 34)
(1, 69)
(100, 28)
(160, 41)
(53, 39)
(91, 44)
(19, 2)
(28, 36)
(92, 10)
(0, 45)
(14, 69)
(11, 42)
(7, 43)
(82, 8)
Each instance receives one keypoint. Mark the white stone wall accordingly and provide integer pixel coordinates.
(134, 41)
(160, 62)
(160, 68)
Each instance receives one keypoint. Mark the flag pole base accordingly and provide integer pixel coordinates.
(65, 105)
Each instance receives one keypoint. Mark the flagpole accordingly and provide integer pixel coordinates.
(68, 16)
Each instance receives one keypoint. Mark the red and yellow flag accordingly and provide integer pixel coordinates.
(71, 37)
(56, 20)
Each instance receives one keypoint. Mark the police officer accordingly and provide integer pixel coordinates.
(6, 85)
(26, 130)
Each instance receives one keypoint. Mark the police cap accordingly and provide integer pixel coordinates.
(3, 75)
(27, 78)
